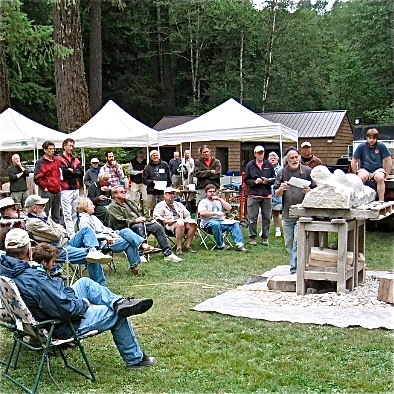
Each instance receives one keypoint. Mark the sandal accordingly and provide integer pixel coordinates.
(151, 249)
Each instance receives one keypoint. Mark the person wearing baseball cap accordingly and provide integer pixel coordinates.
(259, 176)
(92, 173)
(87, 304)
(176, 219)
(307, 157)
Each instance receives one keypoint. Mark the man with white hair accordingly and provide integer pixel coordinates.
(18, 185)
(291, 195)
(188, 162)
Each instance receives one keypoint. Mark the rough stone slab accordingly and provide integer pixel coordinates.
(285, 283)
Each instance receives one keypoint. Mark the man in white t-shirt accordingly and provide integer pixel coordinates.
(212, 211)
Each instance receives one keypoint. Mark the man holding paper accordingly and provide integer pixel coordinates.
(292, 183)
(156, 176)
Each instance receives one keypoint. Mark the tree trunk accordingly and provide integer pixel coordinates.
(167, 82)
(154, 45)
(71, 87)
(95, 57)
(268, 57)
(5, 157)
(241, 69)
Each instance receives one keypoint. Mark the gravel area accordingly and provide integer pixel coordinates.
(365, 295)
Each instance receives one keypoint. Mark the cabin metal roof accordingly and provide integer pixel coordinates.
(309, 124)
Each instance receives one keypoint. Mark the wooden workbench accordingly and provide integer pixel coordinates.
(315, 224)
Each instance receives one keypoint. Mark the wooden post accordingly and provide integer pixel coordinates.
(386, 289)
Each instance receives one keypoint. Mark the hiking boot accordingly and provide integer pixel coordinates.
(173, 258)
(144, 363)
(253, 242)
(265, 241)
(95, 256)
(135, 271)
(125, 307)
(241, 249)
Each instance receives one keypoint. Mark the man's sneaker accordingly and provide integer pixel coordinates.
(143, 259)
(125, 307)
(144, 363)
(278, 233)
(242, 249)
(252, 242)
(265, 241)
(135, 271)
(173, 258)
(95, 256)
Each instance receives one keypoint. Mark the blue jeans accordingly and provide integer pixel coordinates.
(217, 229)
(78, 248)
(158, 231)
(290, 236)
(101, 316)
(254, 206)
(130, 243)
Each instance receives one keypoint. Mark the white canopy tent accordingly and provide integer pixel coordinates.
(111, 127)
(19, 133)
(229, 121)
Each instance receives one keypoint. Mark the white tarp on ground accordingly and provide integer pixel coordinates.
(18, 133)
(111, 127)
(229, 121)
(255, 301)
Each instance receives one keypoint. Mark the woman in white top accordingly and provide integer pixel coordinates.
(118, 241)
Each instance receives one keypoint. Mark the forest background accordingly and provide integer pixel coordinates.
(61, 60)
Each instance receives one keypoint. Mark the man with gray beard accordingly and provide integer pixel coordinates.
(291, 195)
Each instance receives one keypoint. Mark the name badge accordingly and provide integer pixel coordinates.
(161, 171)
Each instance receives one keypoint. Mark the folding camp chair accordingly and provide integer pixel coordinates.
(26, 328)
(207, 237)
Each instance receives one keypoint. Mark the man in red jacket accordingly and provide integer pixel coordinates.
(47, 178)
(72, 176)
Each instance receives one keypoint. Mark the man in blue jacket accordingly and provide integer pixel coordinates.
(90, 305)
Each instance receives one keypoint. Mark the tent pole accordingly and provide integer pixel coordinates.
(83, 165)
(281, 146)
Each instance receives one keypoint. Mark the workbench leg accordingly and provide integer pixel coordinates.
(352, 247)
(301, 258)
(342, 254)
(361, 248)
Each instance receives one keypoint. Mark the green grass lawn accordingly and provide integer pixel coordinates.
(212, 353)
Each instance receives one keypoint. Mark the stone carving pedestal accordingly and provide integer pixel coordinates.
(315, 224)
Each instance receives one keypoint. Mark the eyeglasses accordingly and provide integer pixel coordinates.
(260, 153)
(122, 191)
